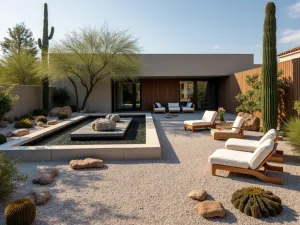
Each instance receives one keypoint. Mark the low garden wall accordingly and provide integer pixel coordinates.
(30, 98)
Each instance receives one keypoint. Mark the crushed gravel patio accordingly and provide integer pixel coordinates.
(155, 192)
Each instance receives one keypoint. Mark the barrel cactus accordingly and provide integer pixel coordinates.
(269, 71)
(2, 139)
(256, 202)
(20, 212)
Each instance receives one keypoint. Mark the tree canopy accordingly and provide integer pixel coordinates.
(91, 55)
(19, 39)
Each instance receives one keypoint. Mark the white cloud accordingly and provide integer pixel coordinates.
(217, 46)
(290, 36)
(294, 10)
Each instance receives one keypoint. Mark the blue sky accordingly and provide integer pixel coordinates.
(166, 26)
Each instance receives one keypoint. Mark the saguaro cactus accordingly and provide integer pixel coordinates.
(44, 46)
(269, 70)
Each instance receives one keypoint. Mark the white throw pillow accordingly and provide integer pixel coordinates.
(189, 105)
(158, 104)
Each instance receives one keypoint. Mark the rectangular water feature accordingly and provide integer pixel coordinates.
(87, 133)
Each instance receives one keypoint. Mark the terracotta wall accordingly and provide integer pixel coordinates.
(161, 90)
(232, 85)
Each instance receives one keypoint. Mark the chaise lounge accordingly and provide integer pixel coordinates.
(247, 162)
(236, 131)
(190, 107)
(251, 145)
(207, 121)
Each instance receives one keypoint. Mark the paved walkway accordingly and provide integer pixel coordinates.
(155, 192)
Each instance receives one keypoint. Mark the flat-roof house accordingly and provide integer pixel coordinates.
(167, 78)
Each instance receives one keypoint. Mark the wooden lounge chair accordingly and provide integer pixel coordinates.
(236, 131)
(248, 163)
(174, 107)
(189, 108)
(251, 145)
(157, 108)
(207, 121)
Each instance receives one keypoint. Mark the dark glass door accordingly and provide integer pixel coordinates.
(128, 96)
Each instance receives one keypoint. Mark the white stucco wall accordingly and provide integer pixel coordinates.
(290, 56)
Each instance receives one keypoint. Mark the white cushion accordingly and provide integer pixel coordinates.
(209, 116)
(189, 105)
(213, 131)
(174, 109)
(237, 123)
(187, 109)
(259, 155)
(271, 134)
(161, 109)
(173, 104)
(241, 145)
(196, 122)
(158, 104)
(230, 158)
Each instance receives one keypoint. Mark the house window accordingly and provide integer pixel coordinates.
(186, 91)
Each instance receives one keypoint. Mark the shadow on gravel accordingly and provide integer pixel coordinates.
(229, 218)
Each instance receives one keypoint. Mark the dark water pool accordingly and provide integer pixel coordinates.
(136, 134)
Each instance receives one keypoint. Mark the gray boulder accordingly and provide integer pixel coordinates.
(114, 117)
(103, 125)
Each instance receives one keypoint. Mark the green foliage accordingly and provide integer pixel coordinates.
(256, 202)
(94, 55)
(41, 119)
(24, 123)
(251, 100)
(20, 212)
(44, 46)
(6, 101)
(27, 116)
(62, 116)
(292, 131)
(20, 39)
(2, 139)
(60, 97)
(40, 112)
(9, 177)
(297, 107)
(269, 71)
(19, 68)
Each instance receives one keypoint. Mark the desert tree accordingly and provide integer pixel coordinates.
(19, 39)
(90, 55)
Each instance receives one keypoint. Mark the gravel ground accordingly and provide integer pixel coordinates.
(155, 192)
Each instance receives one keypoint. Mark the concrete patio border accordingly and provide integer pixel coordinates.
(150, 150)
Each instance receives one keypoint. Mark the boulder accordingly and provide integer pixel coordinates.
(57, 110)
(251, 122)
(20, 132)
(114, 117)
(46, 176)
(52, 122)
(40, 195)
(210, 209)
(199, 195)
(103, 125)
(3, 124)
(86, 163)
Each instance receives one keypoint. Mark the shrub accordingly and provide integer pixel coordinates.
(24, 123)
(292, 132)
(40, 112)
(297, 107)
(62, 116)
(41, 119)
(2, 139)
(8, 119)
(256, 202)
(6, 101)
(27, 116)
(60, 97)
(22, 211)
(9, 177)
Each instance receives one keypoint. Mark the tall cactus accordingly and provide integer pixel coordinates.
(44, 46)
(269, 70)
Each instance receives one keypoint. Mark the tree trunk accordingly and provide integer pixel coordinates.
(87, 95)
(76, 93)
